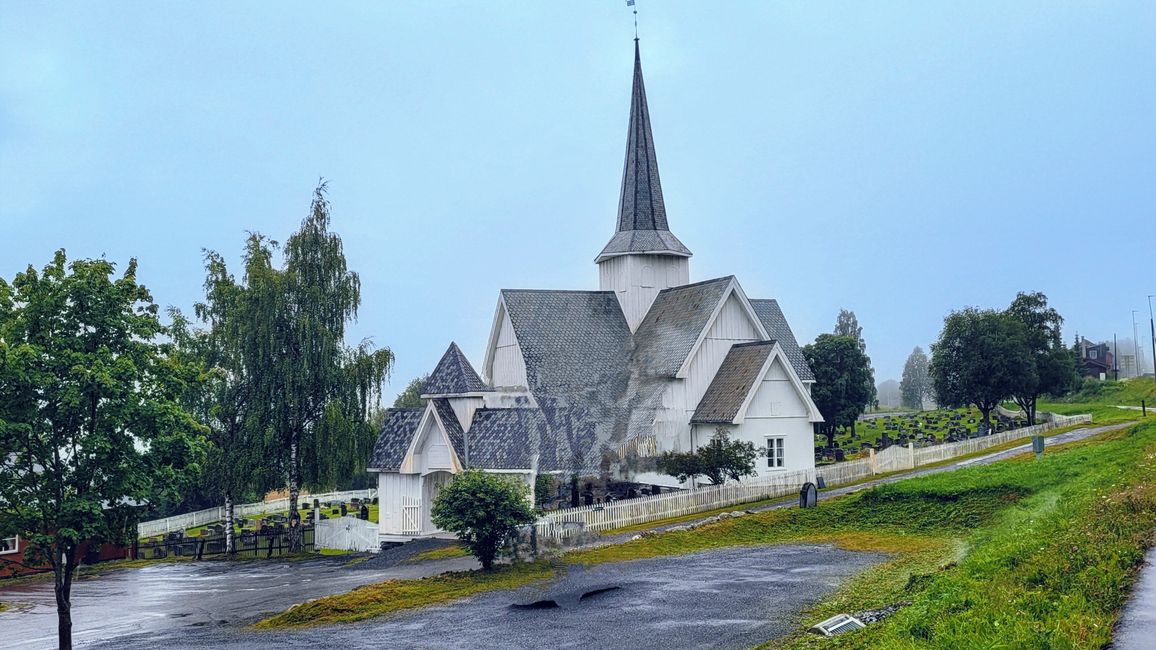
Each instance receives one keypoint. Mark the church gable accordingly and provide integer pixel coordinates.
(779, 394)
(505, 364)
(432, 447)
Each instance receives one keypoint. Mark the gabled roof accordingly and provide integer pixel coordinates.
(453, 375)
(506, 438)
(674, 323)
(776, 325)
(450, 423)
(642, 225)
(738, 373)
(392, 442)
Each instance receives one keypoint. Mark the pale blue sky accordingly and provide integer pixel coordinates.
(900, 159)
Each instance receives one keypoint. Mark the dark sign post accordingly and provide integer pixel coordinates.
(1038, 445)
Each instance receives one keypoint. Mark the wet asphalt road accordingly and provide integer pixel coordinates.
(733, 598)
(183, 596)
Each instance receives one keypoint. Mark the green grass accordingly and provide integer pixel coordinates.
(1128, 392)
(1050, 570)
(3, 608)
(919, 423)
(444, 553)
(394, 595)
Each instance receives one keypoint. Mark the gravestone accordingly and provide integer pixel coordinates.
(808, 496)
(344, 510)
(364, 513)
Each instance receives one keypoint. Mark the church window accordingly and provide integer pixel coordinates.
(647, 276)
(776, 459)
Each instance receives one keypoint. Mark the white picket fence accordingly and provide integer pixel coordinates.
(346, 534)
(571, 522)
(211, 515)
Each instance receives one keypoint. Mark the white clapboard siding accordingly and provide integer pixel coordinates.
(509, 366)
(637, 279)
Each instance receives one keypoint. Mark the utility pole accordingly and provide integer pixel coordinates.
(1152, 324)
(1115, 359)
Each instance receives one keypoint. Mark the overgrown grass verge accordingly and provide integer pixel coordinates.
(394, 595)
(3, 608)
(444, 553)
(1051, 570)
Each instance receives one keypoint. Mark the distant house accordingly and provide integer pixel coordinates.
(12, 556)
(596, 384)
(1094, 359)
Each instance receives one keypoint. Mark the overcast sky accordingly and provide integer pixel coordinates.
(898, 159)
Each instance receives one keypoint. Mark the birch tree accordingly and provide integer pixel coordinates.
(314, 385)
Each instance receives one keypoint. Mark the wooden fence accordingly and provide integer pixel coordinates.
(571, 522)
(211, 515)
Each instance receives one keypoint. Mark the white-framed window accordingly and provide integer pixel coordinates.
(9, 544)
(1092, 354)
(776, 459)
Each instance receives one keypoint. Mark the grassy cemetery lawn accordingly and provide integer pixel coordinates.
(306, 516)
(1021, 553)
(957, 423)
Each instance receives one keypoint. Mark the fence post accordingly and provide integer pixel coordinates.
(911, 454)
(871, 460)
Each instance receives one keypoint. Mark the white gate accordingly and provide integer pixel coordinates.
(346, 534)
(410, 516)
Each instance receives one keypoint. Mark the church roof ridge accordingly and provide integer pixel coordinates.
(454, 375)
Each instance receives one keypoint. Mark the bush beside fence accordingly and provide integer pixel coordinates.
(211, 515)
(573, 522)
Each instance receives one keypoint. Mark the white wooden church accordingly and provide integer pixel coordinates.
(598, 383)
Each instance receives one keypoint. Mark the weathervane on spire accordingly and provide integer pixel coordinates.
(630, 3)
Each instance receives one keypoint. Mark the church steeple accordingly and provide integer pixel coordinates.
(643, 257)
(642, 225)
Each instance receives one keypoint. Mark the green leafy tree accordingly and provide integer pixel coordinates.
(844, 381)
(915, 386)
(411, 396)
(90, 424)
(718, 460)
(484, 510)
(1053, 366)
(318, 392)
(981, 358)
(847, 324)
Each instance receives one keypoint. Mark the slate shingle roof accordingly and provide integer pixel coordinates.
(505, 438)
(396, 433)
(453, 375)
(642, 225)
(673, 324)
(776, 325)
(732, 383)
(453, 427)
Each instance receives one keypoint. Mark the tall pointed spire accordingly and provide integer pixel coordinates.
(642, 225)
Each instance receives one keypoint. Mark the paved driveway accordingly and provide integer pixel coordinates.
(166, 597)
(733, 598)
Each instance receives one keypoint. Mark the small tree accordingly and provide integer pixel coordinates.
(718, 460)
(90, 424)
(484, 510)
(844, 381)
(1054, 365)
(981, 358)
(916, 383)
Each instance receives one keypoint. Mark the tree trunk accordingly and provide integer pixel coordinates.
(63, 569)
(830, 431)
(986, 420)
(230, 548)
(295, 541)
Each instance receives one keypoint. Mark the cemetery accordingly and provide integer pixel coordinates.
(923, 429)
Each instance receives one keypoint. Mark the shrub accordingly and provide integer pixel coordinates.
(484, 510)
